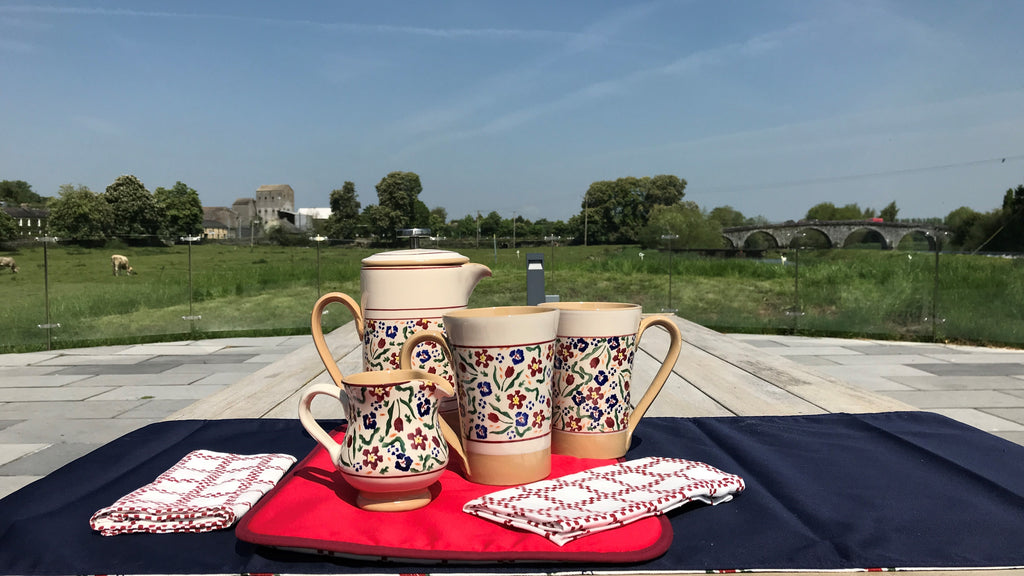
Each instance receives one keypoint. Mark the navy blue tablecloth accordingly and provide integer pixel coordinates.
(835, 491)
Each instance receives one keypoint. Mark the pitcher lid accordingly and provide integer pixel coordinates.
(415, 257)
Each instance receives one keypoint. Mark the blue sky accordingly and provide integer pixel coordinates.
(766, 106)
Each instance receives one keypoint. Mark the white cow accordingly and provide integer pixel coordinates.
(121, 263)
(8, 262)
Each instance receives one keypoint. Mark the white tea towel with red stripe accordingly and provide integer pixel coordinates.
(204, 491)
(599, 499)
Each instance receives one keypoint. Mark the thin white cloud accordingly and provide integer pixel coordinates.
(450, 33)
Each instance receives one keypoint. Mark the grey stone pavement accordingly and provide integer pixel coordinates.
(57, 406)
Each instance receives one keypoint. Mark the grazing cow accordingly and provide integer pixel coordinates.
(121, 263)
(8, 262)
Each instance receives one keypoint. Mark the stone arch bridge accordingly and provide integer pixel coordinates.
(836, 232)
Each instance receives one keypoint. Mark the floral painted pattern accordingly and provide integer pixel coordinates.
(393, 428)
(505, 392)
(383, 340)
(591, 383)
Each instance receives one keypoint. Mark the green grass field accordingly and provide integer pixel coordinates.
(238, 290)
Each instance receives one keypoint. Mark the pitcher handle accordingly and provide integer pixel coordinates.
(661, 377)
(318, 332)
(452, 437)
(310, 423)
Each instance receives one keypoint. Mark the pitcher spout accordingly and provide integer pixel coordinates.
(472, 274)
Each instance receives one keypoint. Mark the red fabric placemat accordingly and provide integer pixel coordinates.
(313, 509)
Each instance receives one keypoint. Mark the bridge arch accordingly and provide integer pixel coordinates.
(836, 232)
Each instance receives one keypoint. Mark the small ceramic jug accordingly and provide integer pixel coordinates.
(396, 445)
(593, 416)
(403, 291)
(503, 367)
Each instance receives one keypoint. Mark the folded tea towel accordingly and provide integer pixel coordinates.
(204, 491)
(564, 509)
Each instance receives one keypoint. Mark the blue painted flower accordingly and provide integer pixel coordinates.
(612, 401)
(423, 356)
(613, 342)
(403, 462)
(601, 378)
(423, 408)
(484, 389)
(578, 398)
(522, 419)
(370, 421)
(517, 356)
(581, 344)
(481, 431)
(391, 331)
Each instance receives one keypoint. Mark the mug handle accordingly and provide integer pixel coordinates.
(667, 365)
(310, 423)
(449, 435)
(318, 332)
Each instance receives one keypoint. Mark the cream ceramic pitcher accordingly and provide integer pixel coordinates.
(403, 292)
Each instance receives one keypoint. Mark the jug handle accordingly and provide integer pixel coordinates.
(451, 436)
(406, 363)
(661, 377)
(310, 423)
(316, 319)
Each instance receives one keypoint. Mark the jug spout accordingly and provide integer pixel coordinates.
(472, 273)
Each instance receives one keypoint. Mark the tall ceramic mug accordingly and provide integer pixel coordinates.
(503, 360)
(593, 415)
(396, 445)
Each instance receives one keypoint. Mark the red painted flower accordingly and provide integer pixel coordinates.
(482, 358)
(594, 395)
(594, 362)
(417, 439)
(573, 424)
(620, 356)
(381, 343)
(493, 417)
(372, 458)
(569, 379)
(535, 366)
(509, 371)
(515, 399)
(538, 419)
(398, 425)
(379, 393)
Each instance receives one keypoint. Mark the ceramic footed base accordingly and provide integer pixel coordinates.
(393, 501)
(598, 445)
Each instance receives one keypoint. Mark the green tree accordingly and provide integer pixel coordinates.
(828, 211)
(490, 225)
(727, 216)
(80, 214)
(614, 212)
(8, 226)
(439, 222)
(889, 212)
(398, 206)
(18, 192)
(134, 211)
(693, 228)
(181, 208)
(344, 221)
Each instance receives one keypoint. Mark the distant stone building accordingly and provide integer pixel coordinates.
(216, 230)
(227, 217)
(246, 210)
(272, 198)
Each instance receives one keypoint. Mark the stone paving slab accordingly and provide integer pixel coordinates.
(972, 369)
(11, 452)
(163, 379)
(981, 419)
(959, 382)
(929, 399)
(193, 392)
(53, 394)
(50, 381)
(158, 350)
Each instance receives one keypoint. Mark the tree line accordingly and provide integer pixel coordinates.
(649, 211)
(125, 210)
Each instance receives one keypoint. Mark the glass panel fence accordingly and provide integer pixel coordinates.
(68, 294)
